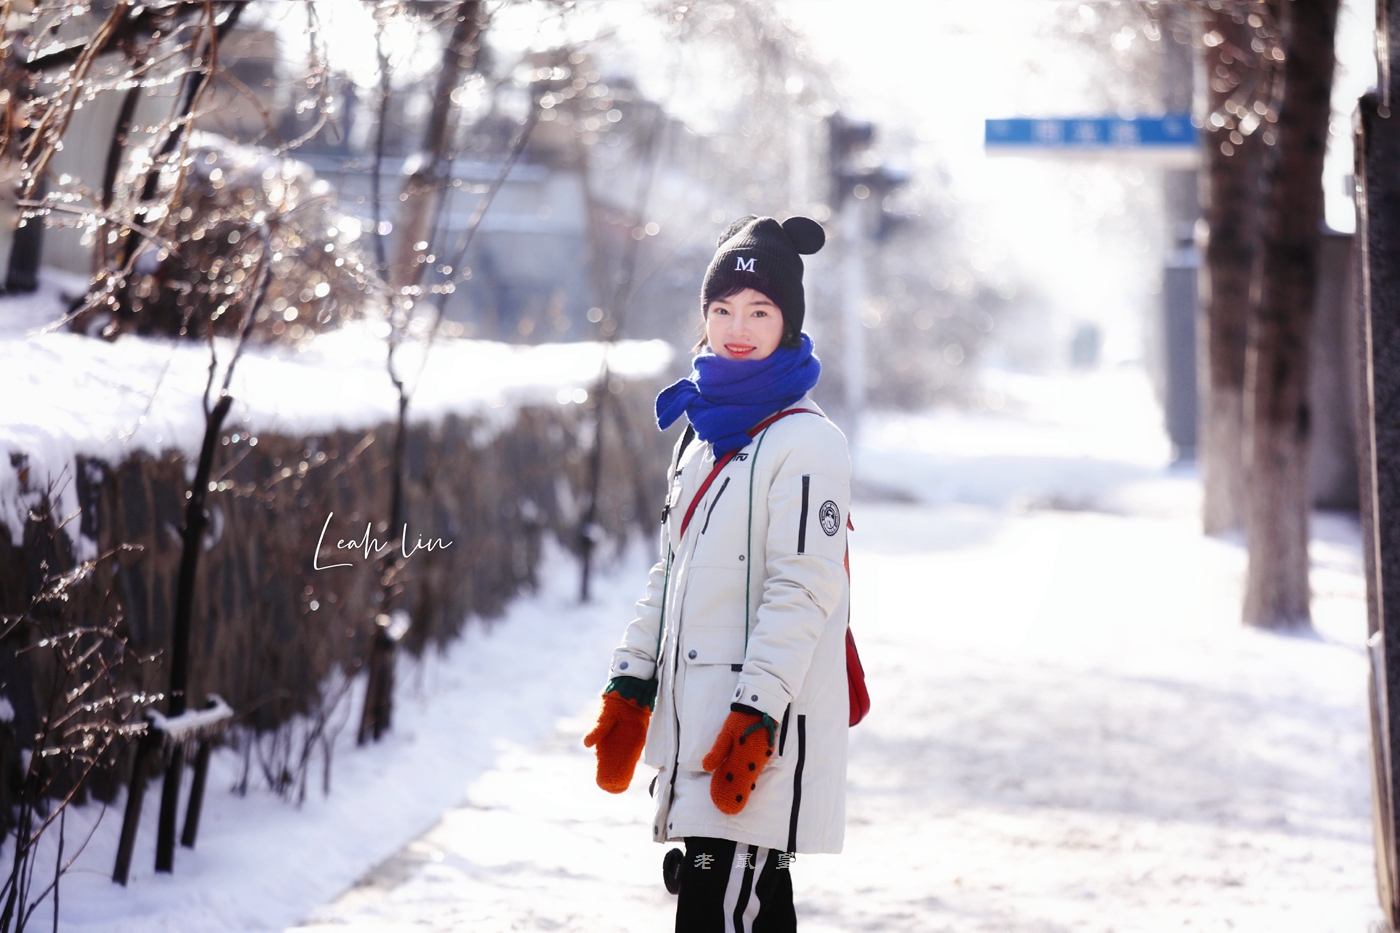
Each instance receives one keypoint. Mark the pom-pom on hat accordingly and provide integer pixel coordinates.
(762, 254)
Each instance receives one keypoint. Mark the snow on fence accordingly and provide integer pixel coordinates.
(496, 459)
(198, 728)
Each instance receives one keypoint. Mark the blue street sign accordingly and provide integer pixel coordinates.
(1169, 138)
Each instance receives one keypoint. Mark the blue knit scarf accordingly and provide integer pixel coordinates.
(725, 398)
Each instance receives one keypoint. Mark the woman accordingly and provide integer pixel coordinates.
(739, 643)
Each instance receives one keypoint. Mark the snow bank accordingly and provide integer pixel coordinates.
(72, 395)
(1084, 442)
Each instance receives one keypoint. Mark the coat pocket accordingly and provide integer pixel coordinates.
(714, 661)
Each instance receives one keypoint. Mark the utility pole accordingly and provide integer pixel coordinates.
(1180, 303)
(855, 234)
(848, 161)
(859, 183)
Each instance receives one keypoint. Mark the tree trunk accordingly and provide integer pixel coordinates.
(1378, 306)
(1229, 192)
(1377, 154)
(419, 199)
(1276, 412)
(418, 208)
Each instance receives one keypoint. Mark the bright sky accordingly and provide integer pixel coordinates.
(945, 66)
(1088, 235)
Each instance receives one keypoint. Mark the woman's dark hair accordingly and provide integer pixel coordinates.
(792, 338)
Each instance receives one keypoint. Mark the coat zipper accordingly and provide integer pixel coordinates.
(675, 708)
(714, 502)
(676, 717)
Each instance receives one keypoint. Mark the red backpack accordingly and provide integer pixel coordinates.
(855, 674)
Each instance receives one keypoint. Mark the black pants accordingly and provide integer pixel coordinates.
(734, 888)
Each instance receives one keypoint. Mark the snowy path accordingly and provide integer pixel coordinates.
(262, 864)
(1071, 731)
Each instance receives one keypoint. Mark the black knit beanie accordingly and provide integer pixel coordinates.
(762, 254)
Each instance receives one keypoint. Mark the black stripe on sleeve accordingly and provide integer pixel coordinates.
(797, 781)
(802, 522)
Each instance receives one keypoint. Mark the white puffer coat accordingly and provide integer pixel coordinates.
(785, 556)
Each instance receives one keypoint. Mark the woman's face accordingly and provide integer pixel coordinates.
(744, 326)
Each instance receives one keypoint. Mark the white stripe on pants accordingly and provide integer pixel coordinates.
(748, 862)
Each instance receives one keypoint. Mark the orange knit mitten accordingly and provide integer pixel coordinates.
(621, 732)
(740, 753)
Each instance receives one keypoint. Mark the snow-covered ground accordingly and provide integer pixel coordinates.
(262, 864)
(1071, 730)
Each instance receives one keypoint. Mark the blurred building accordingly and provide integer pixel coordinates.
(609, 212)
(243, 101)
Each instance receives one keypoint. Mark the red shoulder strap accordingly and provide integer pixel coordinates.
(722, 462)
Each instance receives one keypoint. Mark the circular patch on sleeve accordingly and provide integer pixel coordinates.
(830, 517)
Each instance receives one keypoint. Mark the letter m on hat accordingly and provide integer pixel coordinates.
(743, 265)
